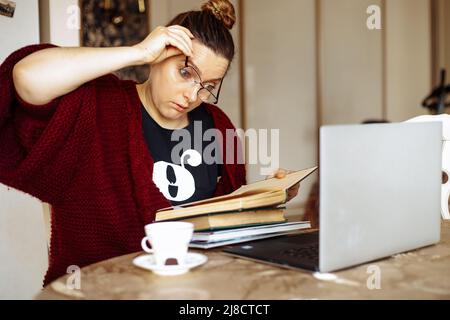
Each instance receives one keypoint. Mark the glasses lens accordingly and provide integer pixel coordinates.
(189, 74)
(206, 96)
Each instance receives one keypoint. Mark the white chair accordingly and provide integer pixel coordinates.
(445, 193)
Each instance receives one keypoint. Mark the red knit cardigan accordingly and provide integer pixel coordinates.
(85, 154)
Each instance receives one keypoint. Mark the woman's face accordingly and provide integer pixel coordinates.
(173, 96)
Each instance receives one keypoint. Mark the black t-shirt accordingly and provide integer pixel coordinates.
(190, 176)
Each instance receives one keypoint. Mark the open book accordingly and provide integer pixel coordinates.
(237, 219)
(264, 193)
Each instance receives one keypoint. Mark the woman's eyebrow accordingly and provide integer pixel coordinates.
(200, 73)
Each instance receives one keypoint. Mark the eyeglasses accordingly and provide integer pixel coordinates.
(207, 93)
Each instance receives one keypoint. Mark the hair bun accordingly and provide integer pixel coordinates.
(223, 10)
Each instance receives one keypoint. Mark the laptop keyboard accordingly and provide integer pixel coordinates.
(294, 251)
(308, 252)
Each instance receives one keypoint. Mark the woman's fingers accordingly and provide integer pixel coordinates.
(164, 42)
(295, 186)
(293, 191)
(185, 30)
(177, 41)
(185, 33)
(172, 51)
(182, 36)
(279, 173)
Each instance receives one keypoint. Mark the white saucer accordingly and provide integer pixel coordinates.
(192, 260)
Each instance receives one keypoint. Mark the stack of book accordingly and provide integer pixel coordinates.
(254, 211)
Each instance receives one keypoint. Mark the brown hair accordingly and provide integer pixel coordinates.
(211, 26)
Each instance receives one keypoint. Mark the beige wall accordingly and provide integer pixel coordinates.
(57, 22)
(23, 245)
(280, 87)
(23, 250)
(408, 57)
(25, 24)
(446, 21)
(442, 22)
(351, 70)
(374, 73)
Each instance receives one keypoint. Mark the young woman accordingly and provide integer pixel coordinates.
(100, 150)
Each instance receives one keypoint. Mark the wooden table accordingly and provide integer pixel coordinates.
(420, 274)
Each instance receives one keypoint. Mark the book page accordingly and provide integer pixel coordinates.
(224, 200)
(275, 183)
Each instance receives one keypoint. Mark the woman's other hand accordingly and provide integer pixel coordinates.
(281, 173)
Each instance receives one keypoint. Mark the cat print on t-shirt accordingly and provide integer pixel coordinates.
(175, 182)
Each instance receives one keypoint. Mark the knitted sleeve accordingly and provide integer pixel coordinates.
(40, 146)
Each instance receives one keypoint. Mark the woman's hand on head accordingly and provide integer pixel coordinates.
(281, 173)
(165, 42)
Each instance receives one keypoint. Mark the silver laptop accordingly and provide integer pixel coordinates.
(380, 189)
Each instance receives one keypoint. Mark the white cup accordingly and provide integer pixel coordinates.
(169, 241)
